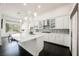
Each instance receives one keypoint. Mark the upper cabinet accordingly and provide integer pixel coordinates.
(55, 23)
(62, 22)
(59, 23)
(46, 25)
(66, 22)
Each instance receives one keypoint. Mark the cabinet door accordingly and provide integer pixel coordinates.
(62, 22)
(56, 38)
(52, 23)
(51, 37)
(66, 39)
(59, 39)
(59, 23)
(46, 37)
(66, 22)
(40, 25)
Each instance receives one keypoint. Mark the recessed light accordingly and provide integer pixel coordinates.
(25, 18)
(20, 20)
(39, 6)
(24, 4)
(35, 14)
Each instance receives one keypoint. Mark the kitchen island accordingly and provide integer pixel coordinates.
(32, 43)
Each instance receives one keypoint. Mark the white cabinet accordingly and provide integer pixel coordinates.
(51, 37)
(66, 22)
(40, 43)
(57, 38)
(62, 22)
(66, 39)
(61, 39)
(59, 23)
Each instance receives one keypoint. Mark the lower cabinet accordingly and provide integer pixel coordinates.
(61, 39)
(40, 44)
(33, 46)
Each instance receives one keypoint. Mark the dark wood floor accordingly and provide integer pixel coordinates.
(52, 49)
(13, 49)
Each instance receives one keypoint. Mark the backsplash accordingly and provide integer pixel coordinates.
(62, 31)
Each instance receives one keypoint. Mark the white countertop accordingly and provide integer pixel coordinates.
(26, 37)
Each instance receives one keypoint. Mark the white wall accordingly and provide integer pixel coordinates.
(0, 30)
(73, 32)
(70, 24)
(74, 35)
(78, 29)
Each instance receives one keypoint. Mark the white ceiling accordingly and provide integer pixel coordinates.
(19, 10)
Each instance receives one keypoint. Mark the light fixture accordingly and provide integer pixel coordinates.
(20, 20)
(24, 4)
(39, 6)
(25, 18)
(35, 14)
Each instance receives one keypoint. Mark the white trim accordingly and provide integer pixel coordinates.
(72, 8)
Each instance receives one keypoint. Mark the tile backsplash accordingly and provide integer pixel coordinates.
(62, 31)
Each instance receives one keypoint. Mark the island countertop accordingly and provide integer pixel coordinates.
(26, 37)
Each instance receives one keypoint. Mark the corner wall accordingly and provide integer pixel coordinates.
(0, 30)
